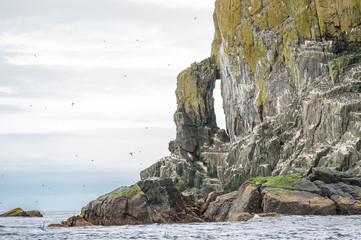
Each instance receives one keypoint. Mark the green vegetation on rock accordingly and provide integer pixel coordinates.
(132, 191)
(281, 181)
(180, 184)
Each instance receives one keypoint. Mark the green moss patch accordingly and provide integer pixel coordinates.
(132, 191)
(180, 184)
(281, 181)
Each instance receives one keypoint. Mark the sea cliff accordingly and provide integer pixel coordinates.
(290, 75)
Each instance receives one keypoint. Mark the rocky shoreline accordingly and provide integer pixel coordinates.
(159, 201)
(290, 76)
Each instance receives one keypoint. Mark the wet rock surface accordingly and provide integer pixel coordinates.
(159, 201)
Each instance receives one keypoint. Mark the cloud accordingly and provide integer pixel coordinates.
(165, 34)
(8, 108)
(54, 53)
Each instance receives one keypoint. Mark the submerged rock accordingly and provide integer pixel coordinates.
(18, 212)
(74, 221)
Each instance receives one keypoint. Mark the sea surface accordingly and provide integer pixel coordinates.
(282, 227)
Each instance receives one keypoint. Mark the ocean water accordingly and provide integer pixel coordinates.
(282, 227)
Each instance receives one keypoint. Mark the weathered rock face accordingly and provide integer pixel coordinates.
(287, 195)
(18, 212)
(195, 119)
(291, 87)
(269, 51)
(150, 201)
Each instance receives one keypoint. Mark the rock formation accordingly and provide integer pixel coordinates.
(150, 201)
(291, 85)
(290, 76)
(18, 212)
(289, 195)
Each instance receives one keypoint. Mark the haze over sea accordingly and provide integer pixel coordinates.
(282, 227)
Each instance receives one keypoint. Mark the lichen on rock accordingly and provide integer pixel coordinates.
(290, 76)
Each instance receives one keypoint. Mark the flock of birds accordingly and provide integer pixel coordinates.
(76, 155)
(72, 104)
(137, 40)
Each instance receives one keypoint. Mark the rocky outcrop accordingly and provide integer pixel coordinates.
(74, 221)
(291, 88)
(150, 201)
(290, 76)
(195, 119)
(159, 201)
(286, 195)
(18, 212)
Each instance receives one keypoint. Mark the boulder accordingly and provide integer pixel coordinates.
(293, 202)
(242, 217)
(328, 176)
(248, 200)
(218, 209)
(346, 197)
(74, 221)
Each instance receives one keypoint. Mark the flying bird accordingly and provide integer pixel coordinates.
(72, 104)
(195, 18)
(35, 55)
(131, 154)
(125, 75)
(137, 40)
(84, 186)
(92, 160)
(42, 185)
(76, 155)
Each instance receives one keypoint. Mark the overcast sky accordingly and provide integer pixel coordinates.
(84, 83)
